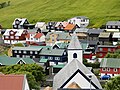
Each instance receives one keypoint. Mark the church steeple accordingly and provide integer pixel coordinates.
(75, 49)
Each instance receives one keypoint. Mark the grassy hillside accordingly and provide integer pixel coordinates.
(99, 11)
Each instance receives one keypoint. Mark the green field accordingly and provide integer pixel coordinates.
(99, 11)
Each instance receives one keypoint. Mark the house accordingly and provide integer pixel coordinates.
(23, 52)
(113, 25)
(116, 38)
(82, 33)
(35, 38)
(13, 36)
(110, 66)
(94, 33)
(51, 25)
(40, 25)
(13, 82)
(55, 56)
(19, 23)
(105, 38)
(80, 21)
(5, 60)
(52, 37)
(60, 45)
(102, 50)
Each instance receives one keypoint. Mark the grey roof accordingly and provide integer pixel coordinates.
(78, 30)
(65, 73)
(61, 35)
(95, 31)
(110, 63)
(106, 46)
(74, 43)
(55, 52)
(28, 48)
(113, 23)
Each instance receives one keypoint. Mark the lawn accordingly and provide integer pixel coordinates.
(99, 11)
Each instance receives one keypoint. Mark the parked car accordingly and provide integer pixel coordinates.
(105, 77)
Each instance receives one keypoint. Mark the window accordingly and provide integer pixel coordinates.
(19, 51)
(115, 69)
(17, 56)
(50, 58)
(113, 26)
(17, 37)
(42, 57)
(100, 54)
(36, 38)
(35, 52)
(109, 26)
(100, 49)
(11, 32)
(57, 58)
(33, 56)
(24, 51)
(108, 69)
(103, 69)
(15, 51)
(6, 36)
(64, 53)
(109, 49)
(12, 37)
(74, 55)
(31, 52)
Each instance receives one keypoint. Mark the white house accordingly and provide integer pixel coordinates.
(80, 21)
(35, 38)
(40, 25)
(19, 23)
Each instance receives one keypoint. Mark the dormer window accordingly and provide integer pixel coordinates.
(115, 69)
(17, 22)
(11, 32)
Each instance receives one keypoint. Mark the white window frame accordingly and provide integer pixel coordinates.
(109, 26)
(17, 56)
(36, 52)
(19, 51)
(24, 52)
(15, 51)
(57, 58)
(100, 49)
(6, 36)
(31, 52)
(109, 49)
(11, 32)
(33, 56)
(115, 69)
(103, 69)
(12, 37)
(17, 37)
(50, 58)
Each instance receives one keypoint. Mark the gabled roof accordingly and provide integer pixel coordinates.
(110, 62)
(70, 27)
(63, 23)
(18, 32)
(69, 71)
(116, 35)
(62, 45)
(104, 35)
(113, 23)
(74, 43)
(22, 20)
(12, 82)
(52, 52)
(5, 60)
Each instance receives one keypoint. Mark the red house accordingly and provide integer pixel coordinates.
(102, 50)
(110, 66)
(87, 55)
(13, 36)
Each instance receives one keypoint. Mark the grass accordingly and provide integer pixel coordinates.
(99, 11)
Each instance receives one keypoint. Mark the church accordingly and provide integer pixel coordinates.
(75, 75)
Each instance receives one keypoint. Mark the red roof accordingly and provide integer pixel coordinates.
(11, 82)
(69, 27)
(38, 35)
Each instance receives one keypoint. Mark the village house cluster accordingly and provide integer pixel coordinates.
(61, 47)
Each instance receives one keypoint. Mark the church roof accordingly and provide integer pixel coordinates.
(67, 73)
(74, 43)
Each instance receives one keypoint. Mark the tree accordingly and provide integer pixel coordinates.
(113, 84)
(34, 73)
